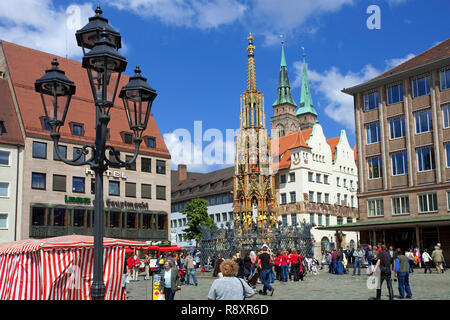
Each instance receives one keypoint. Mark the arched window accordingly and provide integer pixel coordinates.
(352, 244)
(324, 244)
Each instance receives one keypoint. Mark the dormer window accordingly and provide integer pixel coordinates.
(151, 142)
(45, 125)
(2, 128)
(77, 129)
(127, 137)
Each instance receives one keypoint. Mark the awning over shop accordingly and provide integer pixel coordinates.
(390, 224)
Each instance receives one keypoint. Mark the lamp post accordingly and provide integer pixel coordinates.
(104, 66)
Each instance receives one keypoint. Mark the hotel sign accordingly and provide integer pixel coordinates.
(108, 173)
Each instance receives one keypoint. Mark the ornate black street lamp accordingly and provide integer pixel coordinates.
(104, 66)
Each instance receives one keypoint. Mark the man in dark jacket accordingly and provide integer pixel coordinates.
(384, 266)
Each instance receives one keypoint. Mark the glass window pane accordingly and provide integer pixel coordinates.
(114, 188)
(4, 187)
(62, 152)
(38, 180)
(78, 184)
(39, 150)
(38, 216)
(59, 217)
(4, 158)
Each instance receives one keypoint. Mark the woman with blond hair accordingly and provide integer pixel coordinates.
(229, 287)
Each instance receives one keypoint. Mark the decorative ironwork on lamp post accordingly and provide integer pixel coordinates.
(104, 66)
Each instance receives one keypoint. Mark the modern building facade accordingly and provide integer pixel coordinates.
(316, 177)
(11, 165)
(215, 187)
(58, 198)
(403, 135)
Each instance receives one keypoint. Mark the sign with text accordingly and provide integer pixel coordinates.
(157, 294)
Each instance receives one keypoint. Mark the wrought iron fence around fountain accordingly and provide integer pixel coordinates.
(227, 241)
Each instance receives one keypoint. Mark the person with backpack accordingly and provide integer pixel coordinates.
(384, 265)
(438, 258)
(410, 257)
(247, 265)
(401, 269)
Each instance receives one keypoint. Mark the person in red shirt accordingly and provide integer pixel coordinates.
(277, 263)
(295, 264)
(284, 258)
(301, 263)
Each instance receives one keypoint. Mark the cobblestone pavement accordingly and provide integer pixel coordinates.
(324, 286)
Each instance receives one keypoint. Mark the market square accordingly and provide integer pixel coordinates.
(254, 147)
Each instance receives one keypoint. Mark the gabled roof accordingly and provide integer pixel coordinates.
(333, 142)
(438, 56)
(8, 117)
(25, 65)
(195, 179)
(281, 154)
(438, 51)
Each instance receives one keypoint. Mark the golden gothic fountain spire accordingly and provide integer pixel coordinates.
(251, 80)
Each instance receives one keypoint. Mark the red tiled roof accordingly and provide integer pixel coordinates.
(333, 142)
(26, 65)
(440, 50)
(8, 116)
(280, 147)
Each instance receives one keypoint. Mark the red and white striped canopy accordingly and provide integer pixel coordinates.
(71, 241)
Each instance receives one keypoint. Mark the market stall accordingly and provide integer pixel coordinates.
(60, 268)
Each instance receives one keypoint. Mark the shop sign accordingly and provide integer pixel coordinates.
(77, 200)
(126, 205)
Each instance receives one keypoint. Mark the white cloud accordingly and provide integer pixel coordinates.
(329, 83)
(391, 63)
(339, 106)
(215, 150)
(43, 25)
(268, 18)
(201, 14)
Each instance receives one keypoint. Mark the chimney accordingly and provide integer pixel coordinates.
(182, 172)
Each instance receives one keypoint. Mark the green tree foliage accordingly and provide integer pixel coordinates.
(197, 214)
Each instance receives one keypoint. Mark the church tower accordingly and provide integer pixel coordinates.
(254, 182)
(284, 118)
(306, 113)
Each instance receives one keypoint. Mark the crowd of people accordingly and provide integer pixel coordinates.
(238, 277)
(383, 262)
(263, 267)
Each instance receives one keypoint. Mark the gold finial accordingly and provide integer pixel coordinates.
(250, 47)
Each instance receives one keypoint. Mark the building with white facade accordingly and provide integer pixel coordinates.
(11, 166)
(215, 187)
(316, 177)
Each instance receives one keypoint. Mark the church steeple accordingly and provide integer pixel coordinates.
(252, 101)
(306, 112)
(284, 88)
(284, 118)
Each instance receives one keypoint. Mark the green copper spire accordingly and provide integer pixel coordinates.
(284, 88)
(306, 105)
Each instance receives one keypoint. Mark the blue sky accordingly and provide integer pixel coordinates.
(194, 52)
